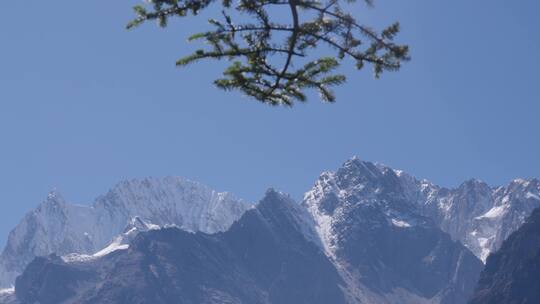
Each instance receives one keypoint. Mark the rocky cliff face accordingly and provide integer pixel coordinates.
(512, 274)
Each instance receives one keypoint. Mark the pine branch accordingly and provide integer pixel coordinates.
(252, 48)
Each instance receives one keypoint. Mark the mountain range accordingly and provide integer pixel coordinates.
(365, 233)
(62, 228)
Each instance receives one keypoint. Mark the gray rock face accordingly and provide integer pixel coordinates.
(62, 228)
(264, 258)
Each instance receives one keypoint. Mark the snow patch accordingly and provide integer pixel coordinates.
(494, 212)
(485, 247)
(530, 195)
(401, 224)
(7, 291)
(324, 229)
(110, 249)
(81, 258)
(120, 242)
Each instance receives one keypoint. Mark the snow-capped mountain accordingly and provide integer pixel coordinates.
(62, 228)
(384, 248)
(387, 236)
(479, 216)
(265, 257)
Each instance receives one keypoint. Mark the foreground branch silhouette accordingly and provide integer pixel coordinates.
(277, 72)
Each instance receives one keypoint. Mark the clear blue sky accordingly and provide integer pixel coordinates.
(85, 103)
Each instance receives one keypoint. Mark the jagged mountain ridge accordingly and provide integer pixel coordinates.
(361, 197)
(270, 255)
(477, 215)
(265, 257)
(62, 228)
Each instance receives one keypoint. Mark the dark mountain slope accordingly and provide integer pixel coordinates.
(512, 274)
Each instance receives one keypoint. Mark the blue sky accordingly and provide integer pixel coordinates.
(85, 103)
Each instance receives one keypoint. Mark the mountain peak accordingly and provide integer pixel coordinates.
(272, 193)
(54, 197)
(356, 172)
(138, 224)
(356, 163)
(275, 200)
(474, 184)
(280, 210)
(534, 182)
